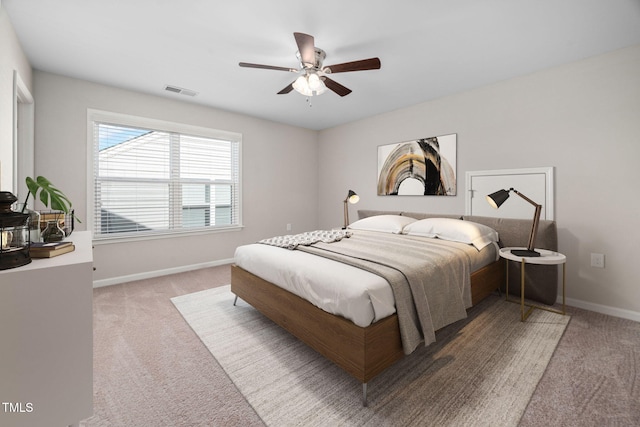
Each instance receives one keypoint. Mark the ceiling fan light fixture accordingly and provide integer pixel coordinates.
(301, 85)
(314, 82)
(309, 84)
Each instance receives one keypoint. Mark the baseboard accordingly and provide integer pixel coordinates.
(158, 273)
(603, 309)
(598, 308)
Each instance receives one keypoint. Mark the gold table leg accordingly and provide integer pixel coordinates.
(564, 280)
(506, 287)
(524, 315)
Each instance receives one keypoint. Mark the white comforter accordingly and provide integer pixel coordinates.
(337, 288)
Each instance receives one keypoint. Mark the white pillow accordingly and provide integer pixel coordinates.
(456, 230)
(384, 223)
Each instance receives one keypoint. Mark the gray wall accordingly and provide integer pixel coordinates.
(279, 172)
(582, 118)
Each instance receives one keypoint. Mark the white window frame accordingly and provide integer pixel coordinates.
(160, 125)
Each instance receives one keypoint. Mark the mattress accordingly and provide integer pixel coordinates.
(337, 288)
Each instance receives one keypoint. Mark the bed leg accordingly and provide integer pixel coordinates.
(364, 394)
(235, 300)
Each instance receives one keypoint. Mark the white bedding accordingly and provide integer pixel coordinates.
(337, 288)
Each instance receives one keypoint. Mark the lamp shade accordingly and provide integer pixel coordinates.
(352, 197)
(498, 198)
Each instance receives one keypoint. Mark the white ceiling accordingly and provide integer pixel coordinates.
(428, 48)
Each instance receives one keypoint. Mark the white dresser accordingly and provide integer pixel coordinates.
(46, 339)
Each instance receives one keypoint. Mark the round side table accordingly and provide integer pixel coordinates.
(546, 257)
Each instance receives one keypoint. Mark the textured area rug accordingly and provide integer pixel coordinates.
(481, 371)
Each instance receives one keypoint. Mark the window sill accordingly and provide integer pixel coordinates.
(124, 238)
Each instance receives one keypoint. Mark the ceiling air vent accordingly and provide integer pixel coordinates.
(180, 90)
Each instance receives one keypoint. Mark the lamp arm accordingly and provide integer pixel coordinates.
(525, 197)
(536, 219)
(534, 229)
(346, 213)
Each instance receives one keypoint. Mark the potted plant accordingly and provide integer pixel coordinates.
(52, 198)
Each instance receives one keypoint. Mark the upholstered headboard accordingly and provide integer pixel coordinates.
(541, 280)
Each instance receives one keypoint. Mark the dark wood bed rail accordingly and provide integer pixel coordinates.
(362, 352)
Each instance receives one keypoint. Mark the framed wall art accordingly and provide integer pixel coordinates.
(425, 167)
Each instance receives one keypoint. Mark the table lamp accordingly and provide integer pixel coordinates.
(498, 198)
(352, 198)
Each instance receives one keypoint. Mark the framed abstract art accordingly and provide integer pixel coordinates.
(425, 167)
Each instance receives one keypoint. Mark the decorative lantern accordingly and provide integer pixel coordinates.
(14, 234)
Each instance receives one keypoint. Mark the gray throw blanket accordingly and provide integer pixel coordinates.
(292, 241)
(430, 279)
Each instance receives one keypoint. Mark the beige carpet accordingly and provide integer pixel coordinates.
(481, 371)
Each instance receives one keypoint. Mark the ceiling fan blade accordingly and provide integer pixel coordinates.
(307, 49)
(336, 87)
(267, 67)
(362, 65)
(286, 90)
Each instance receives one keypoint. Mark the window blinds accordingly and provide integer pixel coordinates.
(154, 181)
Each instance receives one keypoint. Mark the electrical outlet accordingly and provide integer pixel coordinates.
(288, 227)
(597, 260)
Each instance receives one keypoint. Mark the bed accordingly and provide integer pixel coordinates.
(362, 350)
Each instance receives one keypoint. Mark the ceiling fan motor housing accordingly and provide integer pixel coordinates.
(320, 56)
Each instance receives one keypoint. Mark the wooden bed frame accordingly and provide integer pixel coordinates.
(362, 352)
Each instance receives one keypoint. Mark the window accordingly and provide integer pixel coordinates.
(152, 179)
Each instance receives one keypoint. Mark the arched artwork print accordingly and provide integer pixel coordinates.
(424, 167)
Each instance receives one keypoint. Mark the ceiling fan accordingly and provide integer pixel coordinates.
(313, 79)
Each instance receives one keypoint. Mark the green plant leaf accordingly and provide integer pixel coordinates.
(50, 196)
